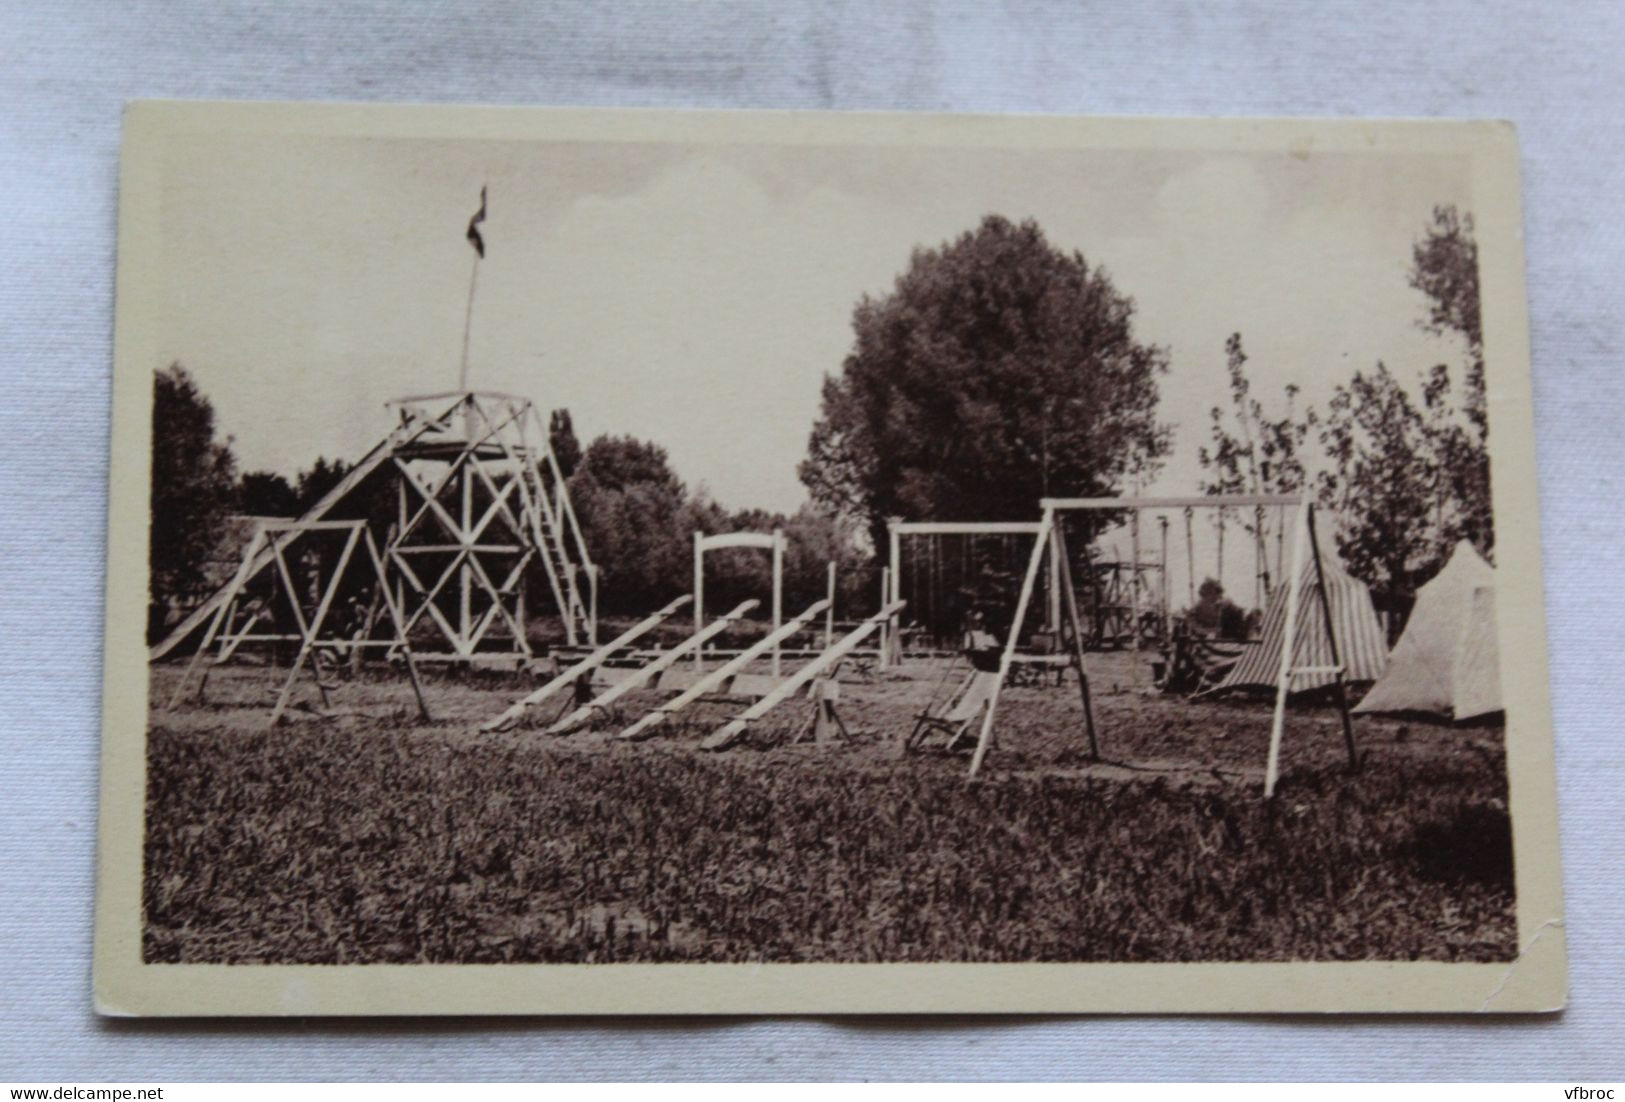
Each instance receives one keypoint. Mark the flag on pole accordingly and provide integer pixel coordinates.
(474, 237)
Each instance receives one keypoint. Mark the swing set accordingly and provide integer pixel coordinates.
(943, 586)
(1050, 547)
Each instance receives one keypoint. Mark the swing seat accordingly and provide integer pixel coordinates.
(963, 707)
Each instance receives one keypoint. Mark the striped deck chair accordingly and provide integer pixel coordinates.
(964, 706)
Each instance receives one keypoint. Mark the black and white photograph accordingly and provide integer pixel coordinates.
(593, 542)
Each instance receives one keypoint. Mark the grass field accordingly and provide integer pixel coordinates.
(373, 837)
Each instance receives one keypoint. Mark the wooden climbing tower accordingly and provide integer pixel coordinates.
(482, 506)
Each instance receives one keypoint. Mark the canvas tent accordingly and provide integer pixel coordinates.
(1361, 646)
(1447, 660)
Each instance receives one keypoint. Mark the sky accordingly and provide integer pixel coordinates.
(697, 295)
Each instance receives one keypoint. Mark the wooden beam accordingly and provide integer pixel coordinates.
(413, 399)
(311, 629)
(645, 726)
(1221, 501)
(737, 726)
(965, 528)
(643, 675)
(1289, 646)
(761, 540)
(585, 666)
(1331, 639)
(778, 593)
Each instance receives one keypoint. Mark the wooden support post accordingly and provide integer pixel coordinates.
(1134, 580)
(577, 671)
(1190, 560)
(1052, 606)
(778, 594)
(311, 630)
(398, 622)
(889, 633)
(1283, 685)
(829, 613)
(645, 726)
(1059, 551)
(1040, 545)
(465, 576)
(826, 718)
(1331, 641)
(699, 600)
(1260, 561)
(245, 570)
(893, 592)
(1167, 612)
(592, 606)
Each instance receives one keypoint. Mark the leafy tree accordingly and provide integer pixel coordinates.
(266, 494)
(1410, 480)
(193, 492)
(1407, 467)
(999, 369)
(1382, 482)
(619, 462)
(561, 436)
(1252, 453)
(1259, 455)
(631, 506)
(1444, 267)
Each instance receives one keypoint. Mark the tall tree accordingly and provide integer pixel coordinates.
(631, 506)
(1381, 480)
(999, 369)
(266, 494)
(561, 436)
(193, 492)
(1407, 466)
(1410, 479)
(1444, 267)
(1252, 453)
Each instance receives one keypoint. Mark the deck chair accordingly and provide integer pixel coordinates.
(953, 720)
(1195, 665)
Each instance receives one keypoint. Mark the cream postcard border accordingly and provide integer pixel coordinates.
(1535, 981)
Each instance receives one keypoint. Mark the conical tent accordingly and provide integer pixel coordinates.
(1361, 647)
(1447, 660)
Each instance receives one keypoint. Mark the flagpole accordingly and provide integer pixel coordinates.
(478, 242)
(468, 319)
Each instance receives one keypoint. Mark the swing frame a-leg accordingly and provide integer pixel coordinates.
(1306, 546)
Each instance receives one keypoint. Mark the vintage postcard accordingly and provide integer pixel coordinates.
(638, 562)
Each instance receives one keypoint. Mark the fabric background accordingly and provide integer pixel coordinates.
(66, 70)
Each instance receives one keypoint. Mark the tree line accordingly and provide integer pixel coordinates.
(998, 369)
(637, 516)
(1403, 465)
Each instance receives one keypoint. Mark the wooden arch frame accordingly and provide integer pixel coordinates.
(771, 542)
(1051, 543)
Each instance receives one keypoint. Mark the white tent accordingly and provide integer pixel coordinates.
(1447, 660)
